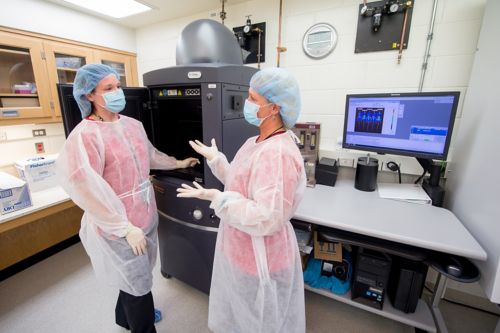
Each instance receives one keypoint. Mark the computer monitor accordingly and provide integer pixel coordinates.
(410, 124)
(135, 107)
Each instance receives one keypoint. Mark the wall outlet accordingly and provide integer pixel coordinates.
(39, 132)
(346, 162)
(3, 136)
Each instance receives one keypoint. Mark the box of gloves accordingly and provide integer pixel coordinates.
(14, 194)
(39, 172)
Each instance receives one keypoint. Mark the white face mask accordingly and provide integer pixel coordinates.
(115, 100)
(250, 112)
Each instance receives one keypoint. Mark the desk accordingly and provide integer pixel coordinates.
(52, 218)
(424, 226)
(40, 200)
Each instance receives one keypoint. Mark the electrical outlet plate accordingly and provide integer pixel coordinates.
(346, 162)
(3, 136)
(39, 132)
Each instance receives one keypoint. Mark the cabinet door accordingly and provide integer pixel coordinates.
(63, 60)
(23, 80)
(123, 64)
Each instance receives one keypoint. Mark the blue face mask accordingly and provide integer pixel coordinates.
(115, 100)
(250, 112)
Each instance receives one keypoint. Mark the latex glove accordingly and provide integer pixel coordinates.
(208, 152)
(198, 191)
(188, 162)
(136, 239)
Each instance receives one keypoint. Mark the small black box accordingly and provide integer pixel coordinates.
(326, 171)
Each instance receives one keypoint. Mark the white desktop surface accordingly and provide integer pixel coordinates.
(39, 200)
(425, 226)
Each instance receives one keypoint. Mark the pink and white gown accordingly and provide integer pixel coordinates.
(257, 283)
(104, 168)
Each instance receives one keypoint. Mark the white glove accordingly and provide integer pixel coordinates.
(208, 152)
(136, 239)
(199, 192)
(186, 163)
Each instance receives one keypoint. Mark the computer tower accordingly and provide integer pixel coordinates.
(371, 277)
(406, 283)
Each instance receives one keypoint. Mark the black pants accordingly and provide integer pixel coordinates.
(136, 313)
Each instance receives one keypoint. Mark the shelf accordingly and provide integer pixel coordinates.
(18, 108)
(67, 69)
(422, 317)
(14, 51)
(17, 95)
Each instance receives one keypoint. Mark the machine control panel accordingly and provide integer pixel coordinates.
(177, 92)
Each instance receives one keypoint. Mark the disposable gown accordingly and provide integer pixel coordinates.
(257, 284)
(104, 167)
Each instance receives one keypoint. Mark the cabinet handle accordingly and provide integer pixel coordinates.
(10, 113)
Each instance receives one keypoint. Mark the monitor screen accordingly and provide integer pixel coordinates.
(411, 124)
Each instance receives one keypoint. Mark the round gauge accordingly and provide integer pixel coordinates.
(393, 8)
(246, 29)
(319, 40)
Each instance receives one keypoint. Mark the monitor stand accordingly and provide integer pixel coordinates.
(431, 184)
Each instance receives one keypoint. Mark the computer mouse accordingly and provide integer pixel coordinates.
(454, 268)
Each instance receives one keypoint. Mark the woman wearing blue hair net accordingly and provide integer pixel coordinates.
(104, 167)
(257, 284)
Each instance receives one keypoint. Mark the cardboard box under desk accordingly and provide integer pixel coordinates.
(327, 250)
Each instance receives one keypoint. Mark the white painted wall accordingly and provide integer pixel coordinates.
(51, 19)
(324, 83)
(474, 178)
(20, 143)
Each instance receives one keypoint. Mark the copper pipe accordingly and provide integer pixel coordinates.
(279, 48)
(401, 42)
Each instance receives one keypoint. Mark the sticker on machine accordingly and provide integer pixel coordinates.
(194, 75)
(212, 86)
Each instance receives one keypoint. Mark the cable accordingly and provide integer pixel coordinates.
(420, 178)
(462, 304)
(393, 166)
(471, 307)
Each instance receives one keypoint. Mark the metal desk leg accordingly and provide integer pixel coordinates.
(439, 289)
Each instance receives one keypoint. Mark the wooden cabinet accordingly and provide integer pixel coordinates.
(31, 65)
(63, 61)
(29, 234)
(123, 64)
(23, 79)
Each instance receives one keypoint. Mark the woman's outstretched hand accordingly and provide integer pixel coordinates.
(197, 191)
(208, 152)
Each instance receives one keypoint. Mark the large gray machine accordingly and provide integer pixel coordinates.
(201, 98)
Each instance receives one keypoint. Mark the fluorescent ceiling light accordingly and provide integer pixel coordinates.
(113, 8)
